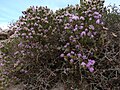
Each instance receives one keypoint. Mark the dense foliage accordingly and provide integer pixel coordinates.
(67, 46)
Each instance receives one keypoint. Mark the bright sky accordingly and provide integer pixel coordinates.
(10, 10)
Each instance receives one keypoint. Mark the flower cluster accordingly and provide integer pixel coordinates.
(46, 39)
(81, 27)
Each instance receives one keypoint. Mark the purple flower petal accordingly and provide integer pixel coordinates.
(71, 60)
(90, 63)
(89, 33)
(72, 52)
(96, 17)
(98, 21)
(91, 69)
(83, 33)
(83, 64)
(79, 55)
(82, 18)
(75, 29)
(81, 27)
(91, 27)
(68, 54)
(84, 57)
(77, 46)
(75, 17)
(62, 55)
(86, 29)
(90, 18)
(96, 13)
(20, 44)
(94, 8)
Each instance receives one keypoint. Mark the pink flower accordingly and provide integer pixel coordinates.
(31, 28)
(77, 46)
(89, 33)
(20, 44)
(30, 34)
(83, 64)
(68, 54)
(67, 44)
(92, 36)
(1, 64)
(35, 24)
(90, 15)
(91, 27)
(83, 33)
(90, 18)
(100, 15)
(84, 57)
(102, 23)
(73, 40)
(81, 27)
(67, 14)
(71, 60)
(82, 18)
(72, 52)
(96, 13)
(79, 55)
(98, 21)
(75, 17)
(70, 20)
(90, 63)
(86, 29)
(66, 27)
(96, 17)
(62, 55)
(27, 37)
(94, 33)
(75, 29)
(16, 52)
(23, 34)
(71, 37)
(91, 69)
(82, 23)
(94, 8)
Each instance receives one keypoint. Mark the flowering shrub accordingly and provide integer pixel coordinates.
(37, 50)
(57, 45)
(82, 25)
